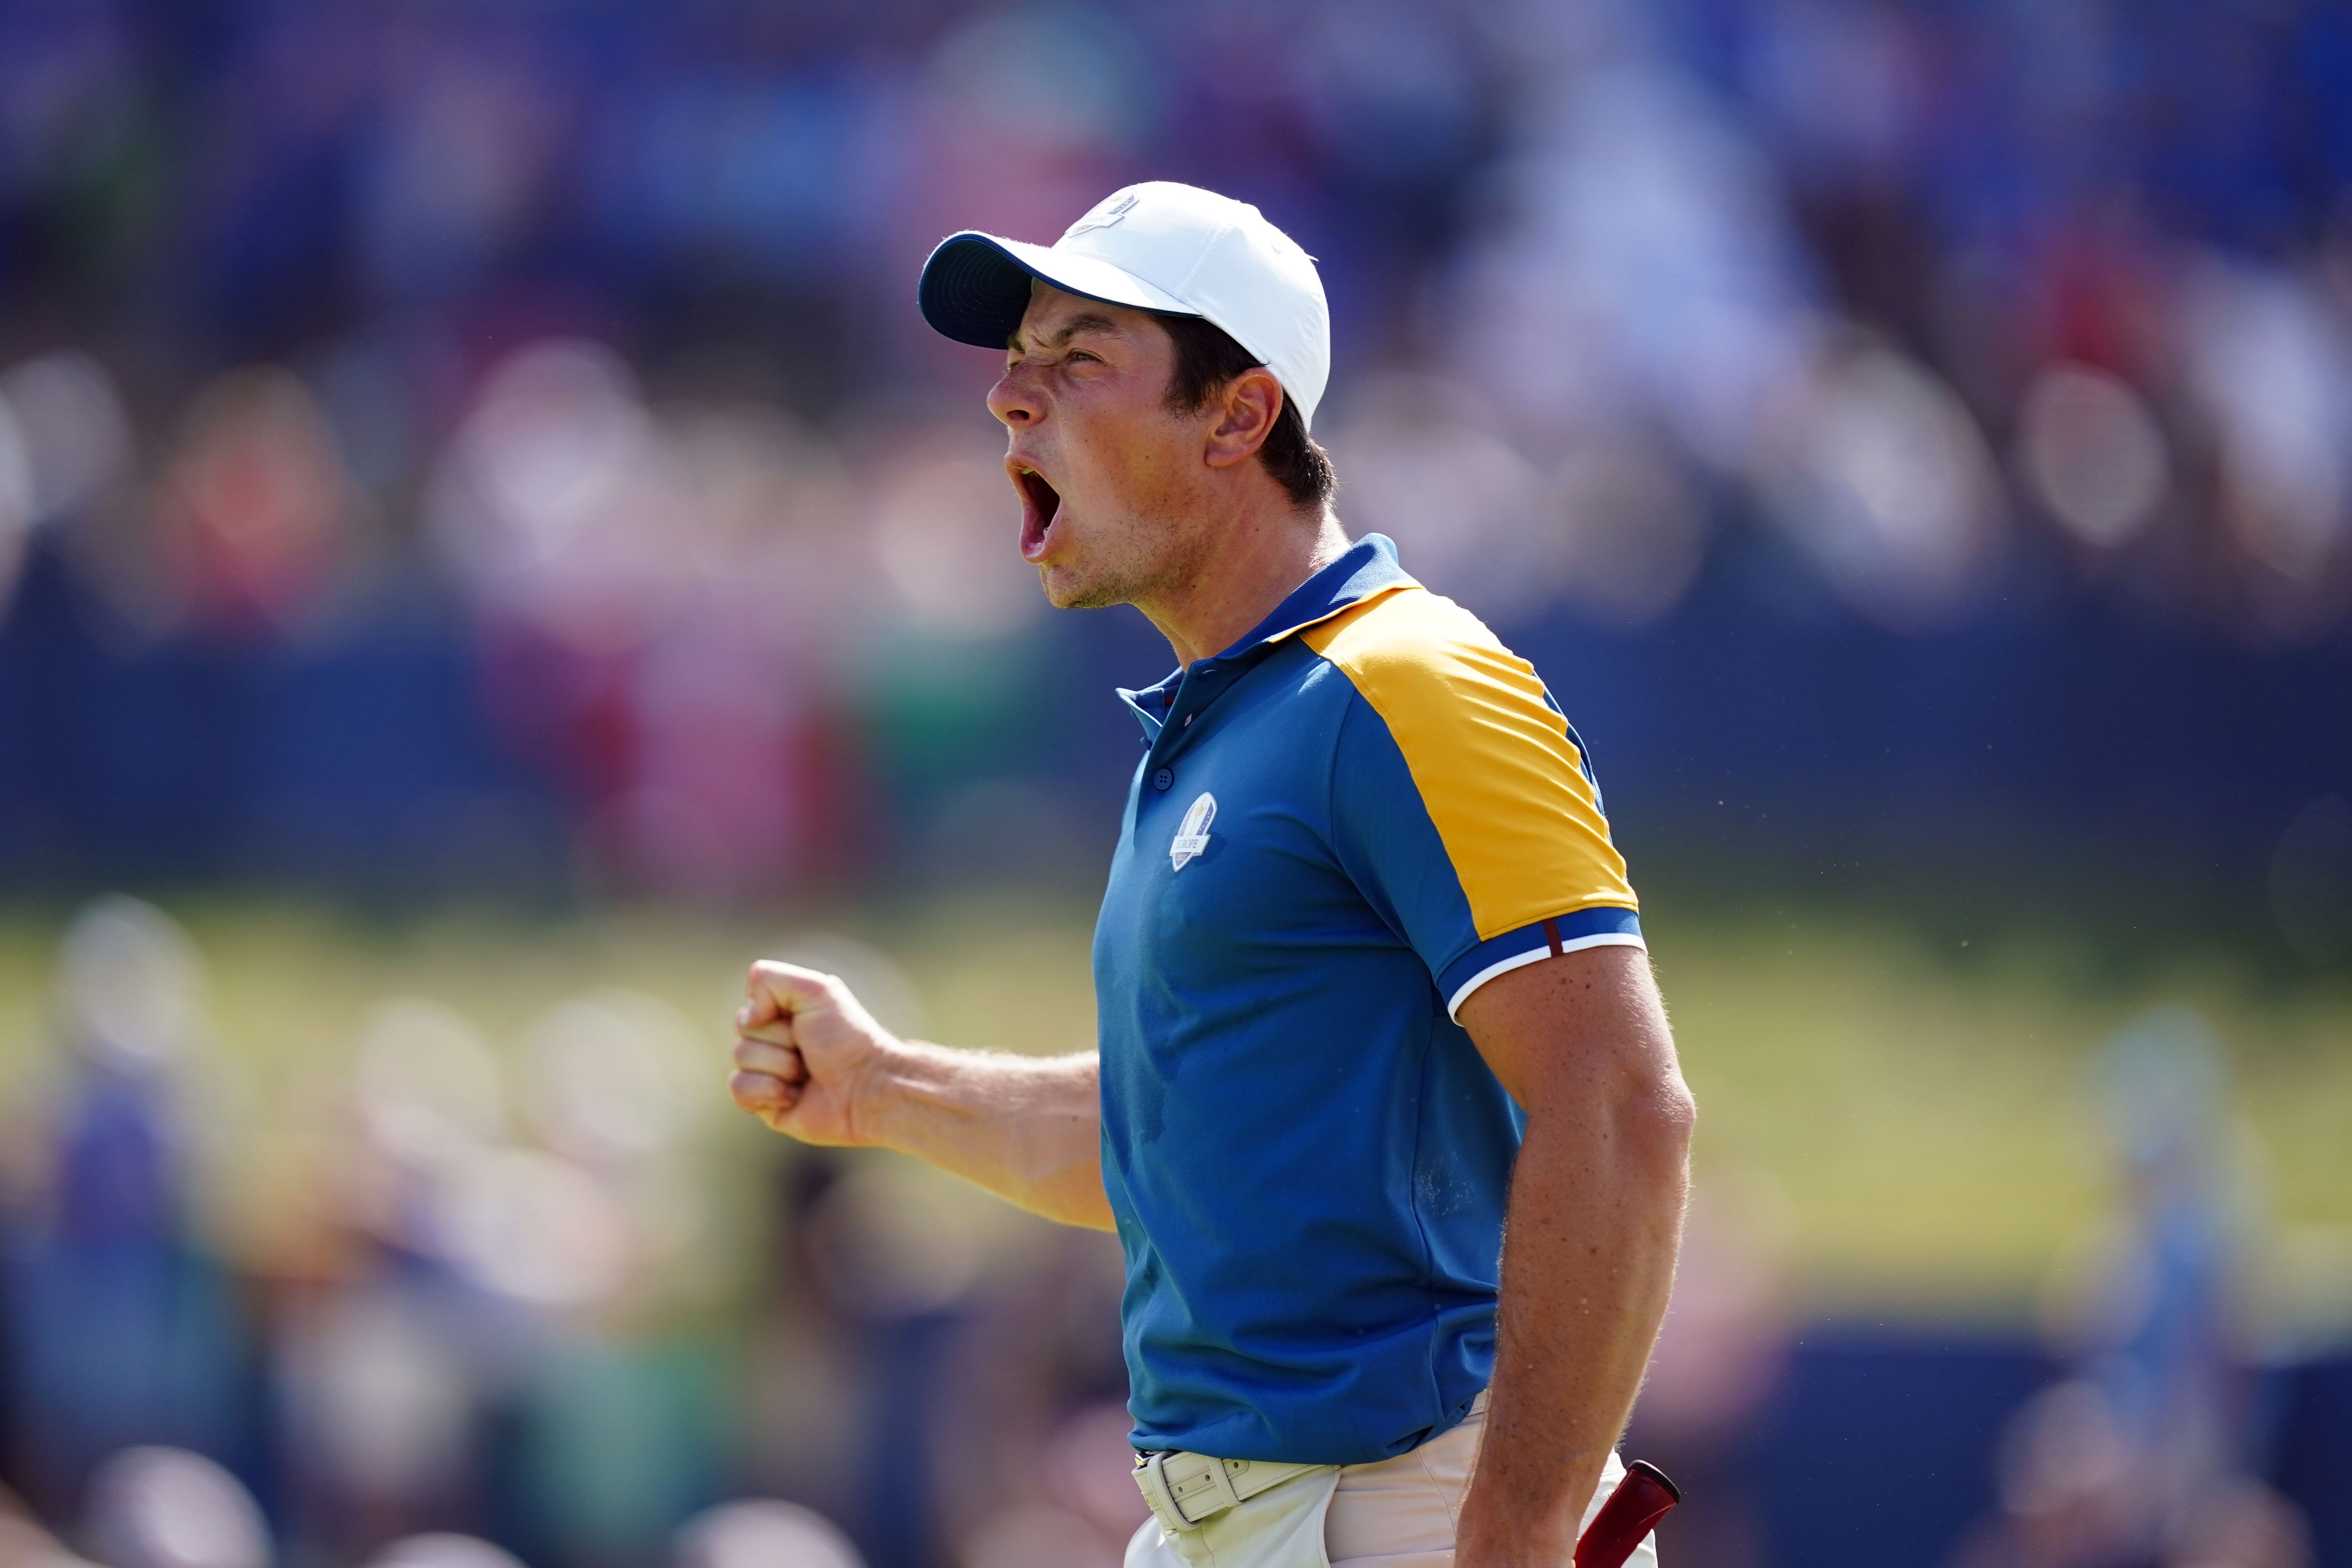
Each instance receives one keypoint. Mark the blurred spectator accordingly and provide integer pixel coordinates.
(121, 1327)
(253, 511)
(387, 1358)
(442, 1550)
(2093, 453)
(64, 440)
(2146, 1454)
(603, 1236)
(1885, 482)
(2269, 359)
(763, 1533)
(166, 1508)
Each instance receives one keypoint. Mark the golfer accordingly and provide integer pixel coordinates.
(1384, 1109)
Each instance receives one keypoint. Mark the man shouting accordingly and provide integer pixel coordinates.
(1384, 1109)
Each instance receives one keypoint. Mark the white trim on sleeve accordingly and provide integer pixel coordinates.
(1602, 939)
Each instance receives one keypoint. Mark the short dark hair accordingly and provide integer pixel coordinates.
(1206, 359)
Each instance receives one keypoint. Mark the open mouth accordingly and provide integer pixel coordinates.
(1041, 503)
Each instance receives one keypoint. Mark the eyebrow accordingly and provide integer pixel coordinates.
(1085, 321)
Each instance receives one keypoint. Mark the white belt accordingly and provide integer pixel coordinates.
(1184, 1488)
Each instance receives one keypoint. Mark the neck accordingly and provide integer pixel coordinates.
(1257, 559)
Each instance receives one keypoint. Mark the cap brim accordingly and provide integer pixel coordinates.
(975, 287)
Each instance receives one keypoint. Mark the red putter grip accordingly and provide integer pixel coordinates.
(1641, 1499)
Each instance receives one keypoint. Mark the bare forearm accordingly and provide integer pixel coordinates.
(813, 1064)
(1588, 1260)
(1027, 1128)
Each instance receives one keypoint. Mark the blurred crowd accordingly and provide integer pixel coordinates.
(426, 421)
(425, 1297)
(430, 1301)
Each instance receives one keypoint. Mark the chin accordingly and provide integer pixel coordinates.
(1067, 589)
(1057, 589)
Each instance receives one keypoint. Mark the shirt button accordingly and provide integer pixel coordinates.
(1163, 778)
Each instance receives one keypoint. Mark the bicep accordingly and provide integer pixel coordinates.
(1588, 1024)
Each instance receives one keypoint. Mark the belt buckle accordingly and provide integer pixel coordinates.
(1152, 1480)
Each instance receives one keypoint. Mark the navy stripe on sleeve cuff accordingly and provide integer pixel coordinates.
(1602, 925)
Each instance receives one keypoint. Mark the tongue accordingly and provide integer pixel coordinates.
(1044, 506)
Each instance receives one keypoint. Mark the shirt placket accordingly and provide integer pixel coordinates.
(1201, 685)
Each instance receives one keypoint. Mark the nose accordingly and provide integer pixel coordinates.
(1013, 399)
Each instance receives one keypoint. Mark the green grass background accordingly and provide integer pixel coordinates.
(1915, 1112)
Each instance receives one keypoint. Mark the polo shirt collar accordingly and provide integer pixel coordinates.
(1368, 570)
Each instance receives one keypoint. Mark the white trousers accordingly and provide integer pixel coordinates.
(1397, 1513)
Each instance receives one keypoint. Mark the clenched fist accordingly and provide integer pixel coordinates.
(805, 1054)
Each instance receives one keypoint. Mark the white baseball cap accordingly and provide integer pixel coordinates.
(1175, 250)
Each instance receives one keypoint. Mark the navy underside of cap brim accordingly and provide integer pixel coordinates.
(976, 291)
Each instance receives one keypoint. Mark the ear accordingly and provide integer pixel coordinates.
(1244, 416)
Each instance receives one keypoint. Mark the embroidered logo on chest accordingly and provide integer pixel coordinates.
(1193, 835)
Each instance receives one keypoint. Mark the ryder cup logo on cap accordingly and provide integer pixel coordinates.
(1175, 250)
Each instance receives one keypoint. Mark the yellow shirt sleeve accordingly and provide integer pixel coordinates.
(1499, 771)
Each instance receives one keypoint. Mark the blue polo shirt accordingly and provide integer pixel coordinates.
(1343, 825)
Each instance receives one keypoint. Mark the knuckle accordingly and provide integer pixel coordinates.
(779, 975)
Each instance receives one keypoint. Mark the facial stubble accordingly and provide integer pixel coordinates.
(1175, 550)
